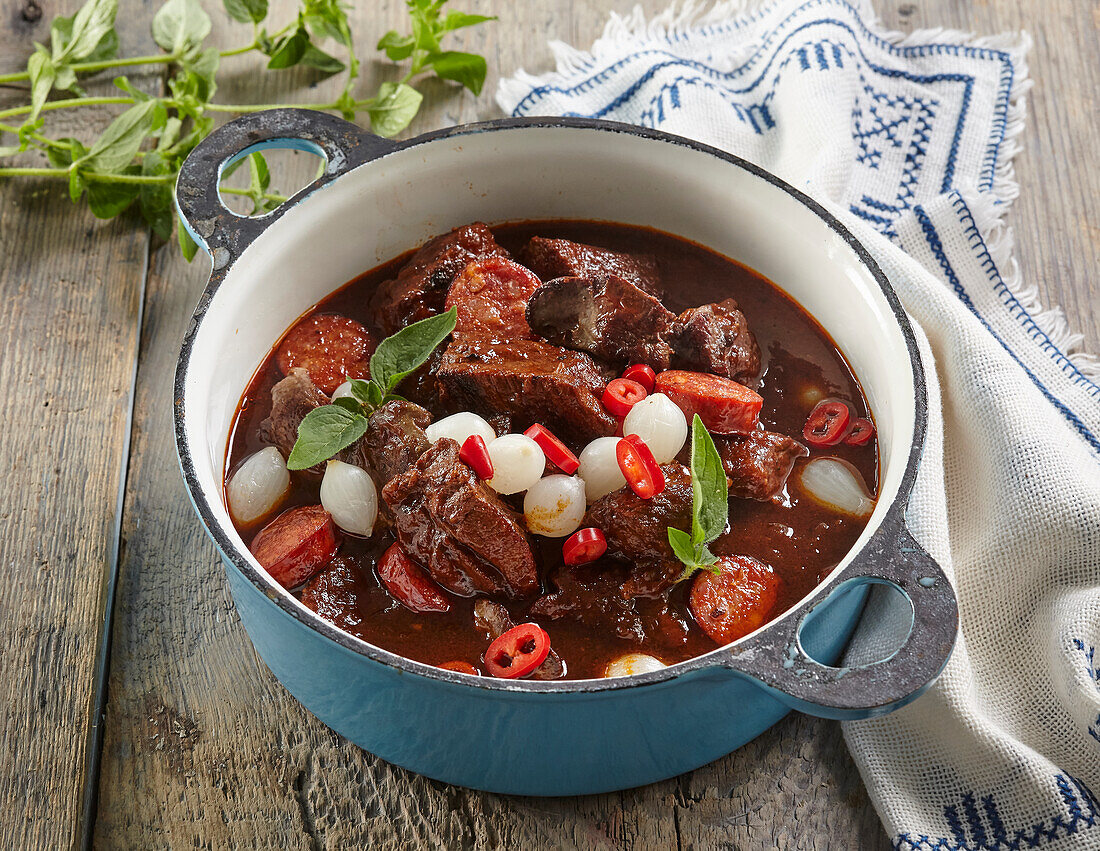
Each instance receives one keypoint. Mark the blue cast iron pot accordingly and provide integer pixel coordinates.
(377, 199)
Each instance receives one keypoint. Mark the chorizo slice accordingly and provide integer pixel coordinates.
(736, 601)
(329, 348)
(491, 296)
(296, 545)
(724, 406)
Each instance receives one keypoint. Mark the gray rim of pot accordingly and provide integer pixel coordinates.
(772, 656)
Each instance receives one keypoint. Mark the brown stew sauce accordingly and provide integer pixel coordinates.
(800, 539)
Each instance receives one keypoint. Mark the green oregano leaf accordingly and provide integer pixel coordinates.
(709, 491)
(42, 74)
(180, 25)
(316, 58)
(118, 144)
(709, 504)
(400, 354)
(83, 34)
(107, 200)
(348, 404)
(188, 247)
(457, 20)
(246, 11)
(393, 109)
(361, 390)
(469, 69)
(397, 46)
(289, 50)
(322, 433)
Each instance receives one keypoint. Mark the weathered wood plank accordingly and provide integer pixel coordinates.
(205, 749)
(71, 291)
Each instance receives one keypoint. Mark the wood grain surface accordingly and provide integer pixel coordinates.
(203, 748)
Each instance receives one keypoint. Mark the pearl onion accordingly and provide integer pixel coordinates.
(600, 468)
(349, 494)
(660, 423)
(257, 486)
(460, 426)
(554, 506)
(518, 463)
(343, 392)
(633, 663)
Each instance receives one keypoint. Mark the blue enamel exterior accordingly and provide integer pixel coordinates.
(520, 742)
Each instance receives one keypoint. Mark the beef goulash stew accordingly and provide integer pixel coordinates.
(553, 450)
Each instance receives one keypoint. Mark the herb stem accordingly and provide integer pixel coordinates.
(63, 173)
(66, 103)
(266, 196)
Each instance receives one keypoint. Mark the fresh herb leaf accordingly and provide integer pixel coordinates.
(246, 11)
(84, 33)
(188, 247)
(180, 25)
(61, 36)
(709, 504)
(322, 433)
(680, 541)
(290, 49)
(42, 75)
(458, 20)
(107, 200)
(348, 404)
(709, 490)
(469, 69)
(400, 354)
(314, 57)
(396, 105)
(362, 392)
(118, 144)
(397, 46)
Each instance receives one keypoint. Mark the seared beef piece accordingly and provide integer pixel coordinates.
(420, 288)
(331, 594)
(501, 423)
(395, 438)
(558, 258)
(637, 529)
(606, 316)
(493, 619)
(593, 595)
(715, 338)
(454, 525)
(758, 463)
(291, 399)
(531, 381)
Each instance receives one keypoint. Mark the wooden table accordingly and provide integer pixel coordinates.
(138, 714)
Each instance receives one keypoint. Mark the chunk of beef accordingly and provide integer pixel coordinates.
(558, 258)
(420, 288)
(715, 338)
(395, 438)
(593, 595)
(291, 399)
(493, 619)
(637, 530)
(332, 595)
(454, 525)
(758, 463)
(532, 382)
(604, 315)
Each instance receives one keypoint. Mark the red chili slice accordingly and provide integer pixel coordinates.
(409, 584)
(643, 374)
(724, 406)
(556, 452)
(461, 667)
(827, 423)
(860, 432)
(621, 395)
(583, 546)
(518, 651)
(642, 472)
(475, 453)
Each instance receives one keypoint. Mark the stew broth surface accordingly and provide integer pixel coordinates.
(800, 539)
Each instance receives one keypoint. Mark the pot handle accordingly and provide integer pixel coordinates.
(218, 230)
(777, 659)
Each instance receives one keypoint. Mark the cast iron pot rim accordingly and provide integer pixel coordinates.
(350, 643)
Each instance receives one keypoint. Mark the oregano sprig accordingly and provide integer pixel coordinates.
(709, 504)
(327, 430)
(137, 158)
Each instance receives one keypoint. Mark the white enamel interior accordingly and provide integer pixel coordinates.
(386, 207)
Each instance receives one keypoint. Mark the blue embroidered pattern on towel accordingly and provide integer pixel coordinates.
(1094, 674)
(985, 831)
(935, 244)
(894, 117)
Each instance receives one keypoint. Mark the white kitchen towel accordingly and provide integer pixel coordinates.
(910, 139)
